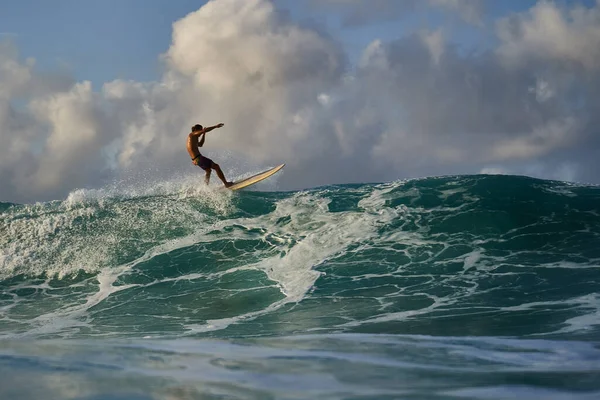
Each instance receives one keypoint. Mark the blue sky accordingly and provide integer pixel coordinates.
(106, 40)
(96, 40)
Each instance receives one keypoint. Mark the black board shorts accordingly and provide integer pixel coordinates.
(203, 162)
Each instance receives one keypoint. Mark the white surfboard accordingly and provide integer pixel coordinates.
(255, 178)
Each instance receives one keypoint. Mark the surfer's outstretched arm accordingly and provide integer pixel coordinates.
(210, 128)
(206, 130)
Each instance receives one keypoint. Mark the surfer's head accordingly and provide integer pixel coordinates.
(196, 128)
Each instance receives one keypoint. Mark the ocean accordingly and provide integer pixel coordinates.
(456, 287)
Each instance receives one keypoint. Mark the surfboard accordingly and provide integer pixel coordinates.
(255, 178)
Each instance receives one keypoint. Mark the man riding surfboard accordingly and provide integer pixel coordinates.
(198, 159)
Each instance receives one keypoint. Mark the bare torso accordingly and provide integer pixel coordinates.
(192, 146)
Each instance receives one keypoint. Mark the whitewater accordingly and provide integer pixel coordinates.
(455, 287)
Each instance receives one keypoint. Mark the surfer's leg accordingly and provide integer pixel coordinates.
(220, 174)
(207, 176)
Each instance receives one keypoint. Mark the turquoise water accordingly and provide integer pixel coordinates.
(451, 287)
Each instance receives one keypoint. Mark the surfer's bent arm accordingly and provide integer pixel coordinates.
(201, 142)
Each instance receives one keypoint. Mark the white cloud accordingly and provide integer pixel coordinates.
(548, 33)
(227, 44)
(543, 90)
(374, 56)
(248, 66)
(14, 76)
(435, 43)
(411, 107)
(76, 131)
(541, 140)
(324, 99)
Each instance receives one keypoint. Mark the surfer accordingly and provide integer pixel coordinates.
(198, 159)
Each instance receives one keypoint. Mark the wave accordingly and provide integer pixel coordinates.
(6, 206)
(465, 255)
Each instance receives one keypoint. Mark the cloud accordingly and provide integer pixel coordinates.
(77, 129)
(415, 106)
(446, 107)
(18, 128)
(548, 33)
(249, 66)
(435, 43)
(541, 140)
(245, 65)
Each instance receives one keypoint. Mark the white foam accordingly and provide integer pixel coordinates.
(312, 236)
(472, 258)
(444, 194)
(67, 321)
(590, 306)
(62, 238)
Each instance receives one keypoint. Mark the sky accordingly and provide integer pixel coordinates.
(342, 91)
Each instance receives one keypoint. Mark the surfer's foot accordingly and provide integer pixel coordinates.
(227, 184)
